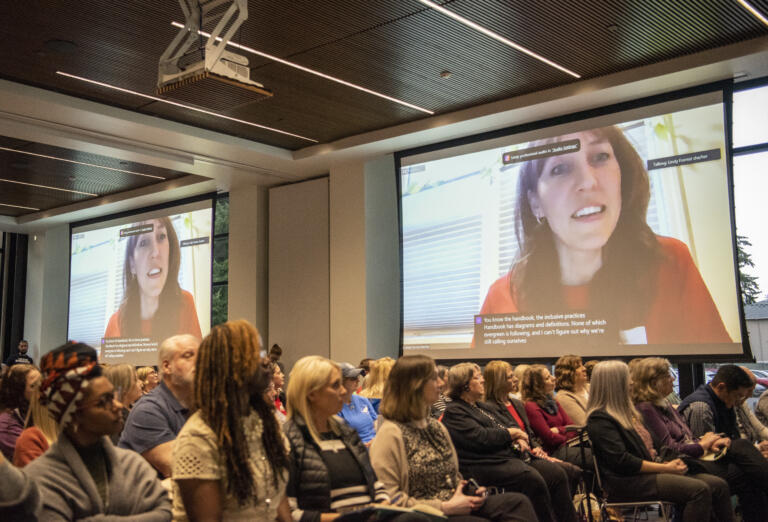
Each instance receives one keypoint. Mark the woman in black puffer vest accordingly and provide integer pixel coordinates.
(330, 471)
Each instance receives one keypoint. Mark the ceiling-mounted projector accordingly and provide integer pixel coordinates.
(187, 68)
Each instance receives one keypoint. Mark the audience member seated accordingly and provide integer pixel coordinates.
(82, 475)
(499, 380)
(148, 379)
(127, 389)
(230, 460)
(357, 411)
(330, 471)
(19, 496)
(710, 408)
(275, 352)
(438, 407)
(365, 364)
(271, 394)
(40, 431)
(414, 458)
(16, 390)
(519, 371)
(589, 366)
(278, 379)
(761, 408)
(626, 457)
(157, 418)
(494, 455)
(750, 427)
(572, 388)
(548, 419)
(20, 357)
(651, 382)
(373, 386)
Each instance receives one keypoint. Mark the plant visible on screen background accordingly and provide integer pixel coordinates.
(750, 290)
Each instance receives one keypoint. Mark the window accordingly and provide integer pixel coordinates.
(219, 296)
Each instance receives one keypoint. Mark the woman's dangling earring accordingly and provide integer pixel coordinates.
(540, 219)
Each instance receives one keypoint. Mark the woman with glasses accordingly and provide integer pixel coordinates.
(82, 475)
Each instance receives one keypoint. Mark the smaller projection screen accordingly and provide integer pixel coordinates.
(137, 280)
(607, 236)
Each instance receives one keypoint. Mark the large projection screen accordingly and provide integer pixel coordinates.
(136, 280)
(607, 236)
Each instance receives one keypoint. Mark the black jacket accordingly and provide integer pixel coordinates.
(506, 418)
(309, 481)
(477, 438)
(620, 454)
(724, 417)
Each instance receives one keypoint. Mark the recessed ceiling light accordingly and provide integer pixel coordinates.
(311, 71)
(47, 187)
(752, 9)
(496, 36)
(80, 163)
(177, 104)
(18, 206)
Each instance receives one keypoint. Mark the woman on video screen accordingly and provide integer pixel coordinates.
(585, 245)
(154, 305)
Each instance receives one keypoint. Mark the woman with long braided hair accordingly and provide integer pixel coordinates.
(230, 458)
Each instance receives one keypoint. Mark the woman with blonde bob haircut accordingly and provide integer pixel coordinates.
(330, 471)
(413, 455)
(627, 459)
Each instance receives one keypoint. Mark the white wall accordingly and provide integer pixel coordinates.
(45, 310)
(248, 265)
(298, 270)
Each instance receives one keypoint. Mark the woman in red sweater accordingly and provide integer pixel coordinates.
(154, 305)
(585, 244)
(548, 419)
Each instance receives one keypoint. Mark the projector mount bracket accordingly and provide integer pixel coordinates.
(185, 61)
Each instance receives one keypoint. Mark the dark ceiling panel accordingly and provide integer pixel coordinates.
(98, 177)
(397, 47)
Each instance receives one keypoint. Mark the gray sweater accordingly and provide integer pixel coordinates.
(69, 493)
(19, 498)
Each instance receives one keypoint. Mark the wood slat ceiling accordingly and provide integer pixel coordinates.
(397, 47)
(62, 182)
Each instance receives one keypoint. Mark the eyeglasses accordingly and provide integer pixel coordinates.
(105, 401)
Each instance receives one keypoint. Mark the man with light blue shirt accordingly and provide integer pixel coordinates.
(357, 411)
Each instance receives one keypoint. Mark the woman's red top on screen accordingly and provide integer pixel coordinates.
(681, 311)
(188, 322)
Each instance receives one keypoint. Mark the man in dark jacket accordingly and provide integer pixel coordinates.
(710, 408)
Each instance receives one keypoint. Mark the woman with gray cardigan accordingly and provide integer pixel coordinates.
(82, 475)
(413, 456)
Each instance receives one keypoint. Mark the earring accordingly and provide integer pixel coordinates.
(541, 219)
